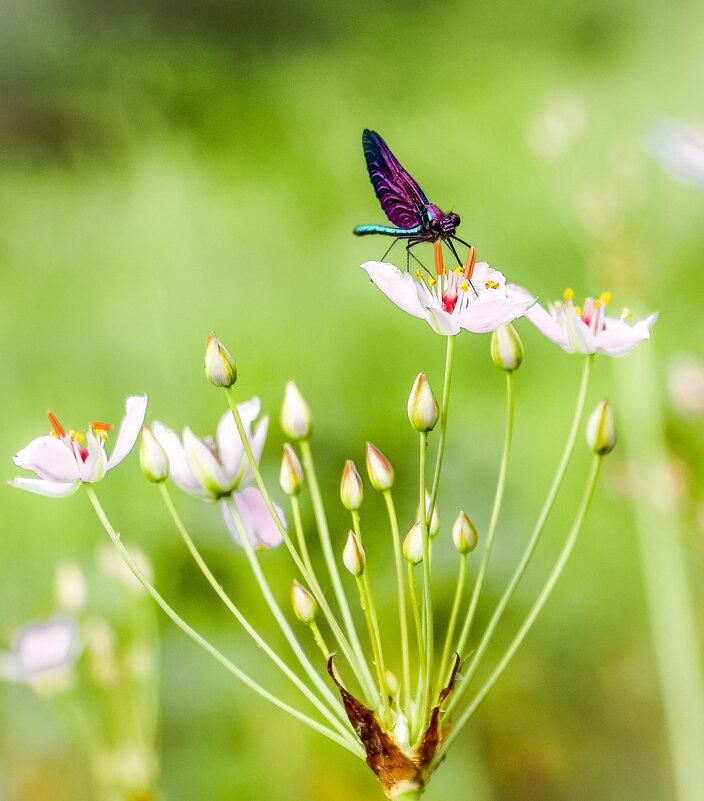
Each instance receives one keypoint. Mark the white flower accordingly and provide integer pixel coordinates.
(680, 150)
(475, 297)
(587, 329)
(40, 650)
(64, 459)
(214, 469)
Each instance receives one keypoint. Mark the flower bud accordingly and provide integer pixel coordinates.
(296, 420)
(304, 605)
(392, 683)
(351, 487)
(152, 457)
(353, 556)
(381, 474)
(434, 522)
(413, 544)
(464, 534)
(506, 348)
(291, 473)
(601, 431)
(70, 587)
(219, 365)
(423, 411)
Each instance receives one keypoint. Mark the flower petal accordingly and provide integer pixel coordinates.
(260, 526)
(256, 442)
(131, 425)
(52, 489)
(398, 286)
(204, 466)
(179, 470)
(94, 467)
(618, 337)
(50, 458)
(228, 437)
(46, 647)
(580, 335)
(438, 319)
(488, 313)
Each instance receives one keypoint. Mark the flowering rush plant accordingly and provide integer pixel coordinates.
(400, 709)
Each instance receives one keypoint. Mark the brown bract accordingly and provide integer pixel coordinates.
(398, 771)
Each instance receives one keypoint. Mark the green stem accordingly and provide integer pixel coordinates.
(300, 536)
(242, 620)
(444, 406)
(367, 604)
(493, 523)
(535, 609)
(319, 641)
(279, 616)
(362, 669)
(453, 620)
(534, 537)
(403, 617)
(427, 595)
(201, 641)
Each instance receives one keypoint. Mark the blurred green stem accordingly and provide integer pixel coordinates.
(534, 537)
(453, 620)
(444, 406)
(664, 563)
(535, 610)
(242, 620)
(201, 641)
(427, 594)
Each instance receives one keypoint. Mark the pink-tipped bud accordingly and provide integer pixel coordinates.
(351, 487)
(413, 544)
(381, 474)
(464, 534)
(601, 429)
(423, 410)
(291, 473)
(296, 419)
(219, 365)
(152, 457)
(354, 557)
(304, 605)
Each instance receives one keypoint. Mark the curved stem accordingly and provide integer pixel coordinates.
(279, 616)
(201, 641)
(491, 533)
(403, 618)
(535, 609)
(534, 537)
(300, 536)
(453, 620)
(427, 596)
(444, 406)
(242, 620)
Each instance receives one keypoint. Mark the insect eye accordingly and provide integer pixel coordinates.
(435, 226)
(456, 219)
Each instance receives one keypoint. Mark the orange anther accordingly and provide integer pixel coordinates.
(97, 426)
(58, 428)
(439, 263)
(469, 264)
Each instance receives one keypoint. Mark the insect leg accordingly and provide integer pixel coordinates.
(409, 253)
(454, 251)
(461, 241)
(476, 294)
(388, 250)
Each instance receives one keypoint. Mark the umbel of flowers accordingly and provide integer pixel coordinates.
(400, 709)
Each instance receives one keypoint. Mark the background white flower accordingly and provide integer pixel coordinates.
(64, 459)
(41, 649)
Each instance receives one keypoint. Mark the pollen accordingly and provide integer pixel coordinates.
(431, 281)
(59, 430)
(606, 298)
(579, 311)
(597, 304)
(419, 275)
(568, 294)
(77, 436)
(459, 270)
(626, 313)
(464, 286)
(492, 285)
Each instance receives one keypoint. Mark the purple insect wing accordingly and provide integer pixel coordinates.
(401, 198)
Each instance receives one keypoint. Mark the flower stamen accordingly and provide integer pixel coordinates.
(469, 264)
(492, 284)
(59, 430)
(439, 262)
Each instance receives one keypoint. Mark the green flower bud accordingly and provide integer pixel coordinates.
(152, 457)
(464, 534)
(351, 487)
(296, 420)
(291, 473)
(381, 473)
(601, 430)
(354, 557)
(506, 348)
(413, 544)
(219, 365)
(304, 605)
(423, 410)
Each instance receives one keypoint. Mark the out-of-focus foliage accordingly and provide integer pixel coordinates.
(169, 168)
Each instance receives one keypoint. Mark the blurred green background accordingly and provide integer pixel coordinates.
(169, 168)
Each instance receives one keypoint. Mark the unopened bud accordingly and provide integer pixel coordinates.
(353, 556)
(152, 457)
(464, 534)
(413, 544)
(304, 605)
(219, 365)
(601, 430)
(291, 473)
(434, 522)
(506, 348)
(296, 419)
(351, 487)
(381, 474)
(423, 411)
(392, 683)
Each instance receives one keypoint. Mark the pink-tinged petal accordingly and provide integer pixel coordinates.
(549, 325)
(398, 286)
(95, 465)
(619, 337)
(256, 442)
(260, 526)
(52, 489)
(131, 425)
(580, 336)
(179, 470)
(50, 458)
(46, 647)
(204, 466)
(438, 319)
